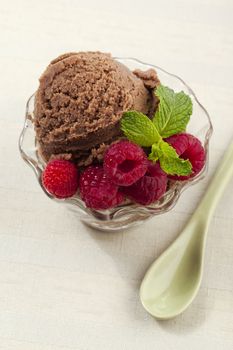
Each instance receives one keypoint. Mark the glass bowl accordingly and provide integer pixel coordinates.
(127, 214)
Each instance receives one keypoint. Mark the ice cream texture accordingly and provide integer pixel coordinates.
(80, 101)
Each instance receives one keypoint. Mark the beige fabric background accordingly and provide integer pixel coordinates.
(63, 286)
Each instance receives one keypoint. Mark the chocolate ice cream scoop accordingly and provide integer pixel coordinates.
(80, 101)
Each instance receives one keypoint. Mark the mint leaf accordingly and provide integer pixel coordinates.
(173, 113)
(169, 159)
(171, 163)
(139, 129)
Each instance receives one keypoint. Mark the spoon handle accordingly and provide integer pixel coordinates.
(217, 185)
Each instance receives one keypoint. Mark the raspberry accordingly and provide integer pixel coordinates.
(188, 147)
(125, 163)
(60, 178)
(97, 190)
(148, 188)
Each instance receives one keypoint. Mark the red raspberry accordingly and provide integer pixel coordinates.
(97, 190)
(188, 147)
(125, 163)
(60, 178)
(148, 188)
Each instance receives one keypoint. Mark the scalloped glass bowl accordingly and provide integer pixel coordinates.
(128, 214)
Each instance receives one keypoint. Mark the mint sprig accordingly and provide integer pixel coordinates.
(170, 118)
(173, 113)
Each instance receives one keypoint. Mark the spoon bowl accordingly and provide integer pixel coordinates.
(173, 280)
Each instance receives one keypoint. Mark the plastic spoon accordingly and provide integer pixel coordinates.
(173, 280)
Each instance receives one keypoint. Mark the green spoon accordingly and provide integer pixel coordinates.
(173, 280)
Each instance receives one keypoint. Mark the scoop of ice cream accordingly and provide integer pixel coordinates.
(80, 101)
